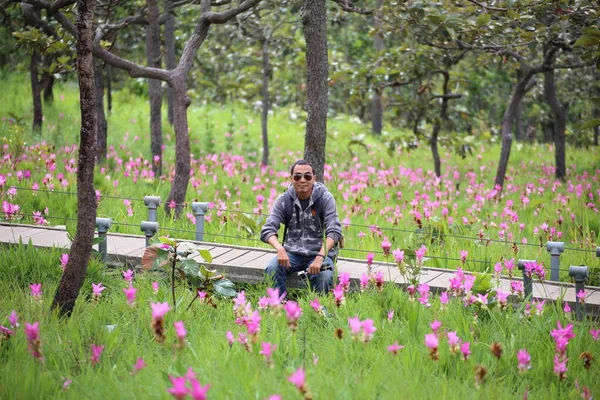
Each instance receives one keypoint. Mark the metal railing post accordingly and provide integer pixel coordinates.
(527, 281)
(103, 225)
(149, 228)
(555, 249)
(580, 275)
(199, 208)
(152, 202)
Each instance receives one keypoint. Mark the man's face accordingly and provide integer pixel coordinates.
(303, 186)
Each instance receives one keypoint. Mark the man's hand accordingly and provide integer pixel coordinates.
(282, 258)
(315, 267)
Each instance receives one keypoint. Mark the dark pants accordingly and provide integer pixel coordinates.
(321, 282)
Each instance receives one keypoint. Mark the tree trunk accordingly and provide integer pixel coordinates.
(315, 34)
(443, 118)
(48, 82)
(560, 122)
(154, 86)
(36, 91)
(182, 146)
(109, 88)
(265, 101)
(102, 125)
(76, 269)
(376, 105)
(169, 36)
(509, 115)
(519, 115)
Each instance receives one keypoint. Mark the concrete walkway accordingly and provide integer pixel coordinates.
(247, 264)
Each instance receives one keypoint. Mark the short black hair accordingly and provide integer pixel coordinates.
(301, 162)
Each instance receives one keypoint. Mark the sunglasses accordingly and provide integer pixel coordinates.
(307, 176)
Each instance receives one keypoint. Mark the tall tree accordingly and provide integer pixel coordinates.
(176, 78)
(560, 121)
(154, 85)
(314, 21)
(76, 269)
(376, 104)
(170, 62)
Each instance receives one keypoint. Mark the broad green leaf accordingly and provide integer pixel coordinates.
(591, 30)
(222, 290)
(586, 41)
(590, 124)
(190, 267)
(205, 254)
(154, 256)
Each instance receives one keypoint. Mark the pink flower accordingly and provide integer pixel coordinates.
(316, 306)
(566, 308)
(155, 287)
(230, 338)
(502, 297)
(398, 256)
(444, 298)
(159, 309)
(180, 330)
(36, 290)
(274, 298)
(179, 389)
(364, 281)
(5, 332)
(267, 351)
(370, 258)
(420, 254)
(355, 326)
(66, 384)
(34, 344)
(13, 318)
(463, 256)
(293, 313)
(64, 259)
(581, 296)
(97, 290)
(128, 275)
(138, 366)
(96, 352)
(560, 366)
(435, 325)
(344, 280)
(386, 246)
(431, 341)
(298, 379)
(394, 348)
(130, 294)
(390, 315)
(595, 334)
(198, 392)
(368, 330)
(465, 349)
(524, 360)
(453, 341)
(338, 294)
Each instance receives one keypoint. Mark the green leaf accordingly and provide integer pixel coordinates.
(98, 240)
(166, 240)
(205, 254)
(483, 283)
(590, 124)
(513, 14)
(190, 267)
(483, 19)
(591, 30)
(207, 273)
(223, 290)
(587, 41)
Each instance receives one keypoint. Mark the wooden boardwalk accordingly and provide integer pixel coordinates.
(247, 264)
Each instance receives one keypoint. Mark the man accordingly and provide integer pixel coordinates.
(310, 214)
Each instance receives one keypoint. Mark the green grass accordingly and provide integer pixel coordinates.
(345, 368)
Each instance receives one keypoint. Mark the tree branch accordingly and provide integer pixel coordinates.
(224, 16)
(347, 6)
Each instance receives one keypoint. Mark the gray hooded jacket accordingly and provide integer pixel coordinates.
(305, 234)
